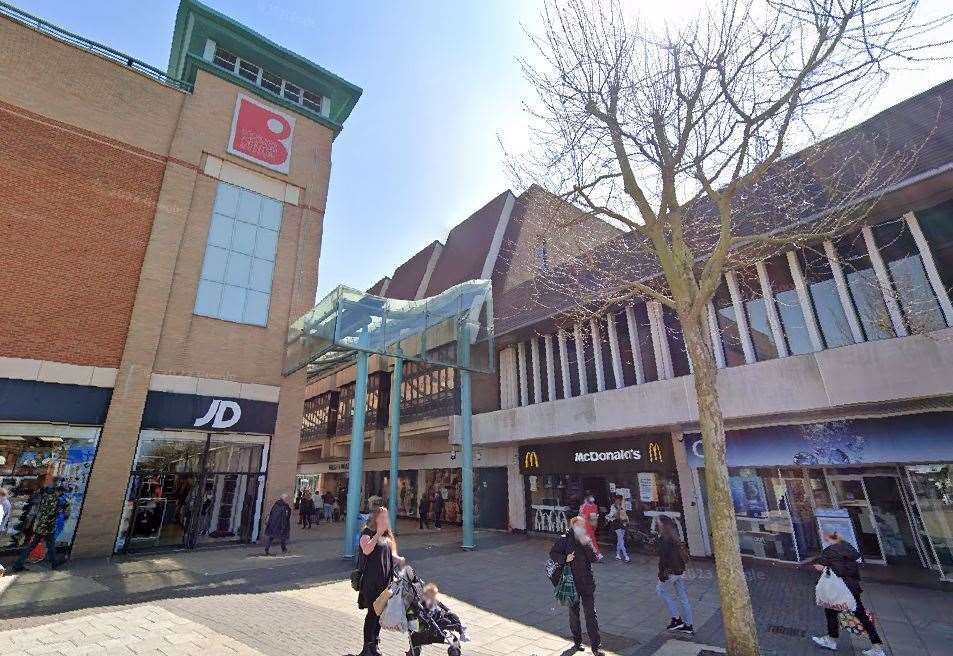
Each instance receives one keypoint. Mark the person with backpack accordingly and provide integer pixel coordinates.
(671, 567)
(575, 551)
(618, 520)
(841, 557)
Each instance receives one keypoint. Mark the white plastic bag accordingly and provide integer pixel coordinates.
(394, 617)
(831, 592)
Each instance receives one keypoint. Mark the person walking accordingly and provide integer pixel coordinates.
(437, 509)
(44, 528)
(618, 519)
(306, 509)
(5, 515)
(278, 526)
(590, 512)
(671, 567)
(327, 500)
(842, 558)
(574, 549)
(378, 562)
(424, 511)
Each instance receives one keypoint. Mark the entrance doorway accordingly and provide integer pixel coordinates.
(189, 489)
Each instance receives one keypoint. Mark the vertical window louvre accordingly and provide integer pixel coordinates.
(728, 326)
(312, 101)
(649, 366)
(625, 346)
(937, 226)
(676, 342)
(292, 92)
(248, 71)
(835, 328)
(225, 59)
(789, 306)
(864, 287)
(753, 299)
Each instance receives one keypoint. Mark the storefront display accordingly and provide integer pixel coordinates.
(888, 479)
(558, 476)
(378, 482)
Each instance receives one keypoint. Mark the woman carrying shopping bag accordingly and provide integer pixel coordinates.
(839, 559)
(380, 559)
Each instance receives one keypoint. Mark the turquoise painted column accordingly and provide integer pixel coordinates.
(395, 380)
(466, 420)
(355, 468)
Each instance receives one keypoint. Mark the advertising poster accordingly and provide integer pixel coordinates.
(648, 487)
(748, 496)
(831, 520)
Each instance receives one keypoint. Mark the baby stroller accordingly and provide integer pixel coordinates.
(428, 626)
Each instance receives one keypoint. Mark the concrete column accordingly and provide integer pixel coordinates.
(841, 281)
(537, 371)
(466, 439)
(691, 497)
(715, 335)
(634, 344)
(581, 358)
(597, 354)
(883, 278)
(804, 297)
(564, 362)
(774, 320)
(516, 497)
(521, 365)
(663, 357)
(741, 317)
(615, 352)
(929, 265)
(550, 368)
(508, 387)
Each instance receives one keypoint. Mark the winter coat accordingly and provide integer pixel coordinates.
(670, 558)
(842, 558)
(279, 520)
(307, 505)
(581, 565)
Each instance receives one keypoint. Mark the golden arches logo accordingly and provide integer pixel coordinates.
(531, 460)
(655, 452)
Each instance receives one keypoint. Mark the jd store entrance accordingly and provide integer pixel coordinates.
(557, 477)
(190, 488)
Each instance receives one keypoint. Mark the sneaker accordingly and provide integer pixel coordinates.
(675, 624)
(577, 646)
(875, 650)
(825, 642)
(628, 560)
(686, 628)
(597, 652)
(618, 557)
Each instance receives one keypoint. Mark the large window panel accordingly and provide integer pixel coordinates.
(728, 326)
(644, 326)
(676, 342)
(921, 310)
(789, 306)
(864, 287)
(242, 242)
(822, 288)
(937, 226)
(752, 298)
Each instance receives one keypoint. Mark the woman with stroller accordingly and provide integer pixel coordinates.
(574, 550)
(379, 560)
(842, 558)
(618, 520)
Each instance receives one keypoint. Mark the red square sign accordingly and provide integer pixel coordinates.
(261, 134)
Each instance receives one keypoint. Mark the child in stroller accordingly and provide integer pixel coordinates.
(431, 622)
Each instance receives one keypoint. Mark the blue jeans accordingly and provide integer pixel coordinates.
(328, 512)
(667, 591)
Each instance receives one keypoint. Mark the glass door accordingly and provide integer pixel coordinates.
(932, 486)
(850, 493)
(893, 521)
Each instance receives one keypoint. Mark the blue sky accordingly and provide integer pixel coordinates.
(441, 82)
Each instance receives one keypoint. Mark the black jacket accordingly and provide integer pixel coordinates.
(670, 559)
(581, 565)
(842, 558)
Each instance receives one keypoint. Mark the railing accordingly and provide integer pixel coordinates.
(58, 33)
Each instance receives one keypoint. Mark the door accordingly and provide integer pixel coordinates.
(932, 486)
(849, 493)
(893, 521)
(490, 497)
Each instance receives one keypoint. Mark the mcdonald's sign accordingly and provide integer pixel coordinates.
(530, 460)
(624, 454)
(655, 452)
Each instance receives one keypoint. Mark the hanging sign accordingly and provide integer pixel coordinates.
(261, 135)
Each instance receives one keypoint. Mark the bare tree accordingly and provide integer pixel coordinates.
(689, 139)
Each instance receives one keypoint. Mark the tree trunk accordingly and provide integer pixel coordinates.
(740, 631)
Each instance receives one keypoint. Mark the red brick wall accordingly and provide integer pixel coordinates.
(75, 216)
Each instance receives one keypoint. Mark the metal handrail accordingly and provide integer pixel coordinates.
(58, 33)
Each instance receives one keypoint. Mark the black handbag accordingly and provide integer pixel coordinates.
(357, 574)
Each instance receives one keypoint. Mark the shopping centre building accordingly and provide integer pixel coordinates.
(161, 230)
(835, 382)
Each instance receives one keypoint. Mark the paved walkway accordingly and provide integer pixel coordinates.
(236, 601)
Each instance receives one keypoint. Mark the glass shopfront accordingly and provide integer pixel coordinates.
(34, 457)
(190, 488)
(641, 469)
(377, 482)
(871, 477)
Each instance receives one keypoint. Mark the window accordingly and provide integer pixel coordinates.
(225, 59)
(625, 346)
(864, 287)
(644, 327)
(271, 82)
(573, 386)
(320, 416)
(752, 298)
(920, 308)
(542, 255)
(937, 226)
(248, 71)
(676, 342)
(728, 326)
(789, 306)
(235, 283)
(312, 101)
(292, 92)
(835, 329)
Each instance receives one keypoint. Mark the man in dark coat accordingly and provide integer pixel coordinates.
(278, 526)
(574, 550)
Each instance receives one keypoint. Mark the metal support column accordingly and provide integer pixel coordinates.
(395, 381)
(355, 468)
(466, 418)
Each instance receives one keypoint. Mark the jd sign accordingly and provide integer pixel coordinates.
(217, 417)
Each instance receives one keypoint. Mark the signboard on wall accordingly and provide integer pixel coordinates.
(206, 413)
(648, 488)
(261, 134)
(617, 455)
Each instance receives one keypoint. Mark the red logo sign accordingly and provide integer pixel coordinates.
(261, 135)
